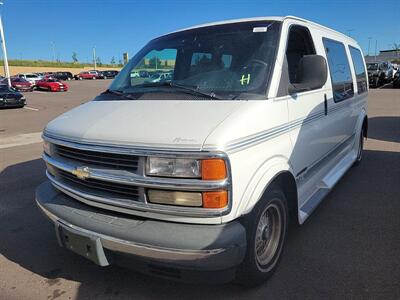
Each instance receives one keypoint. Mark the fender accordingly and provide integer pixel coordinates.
(360, 121)
(260, 180)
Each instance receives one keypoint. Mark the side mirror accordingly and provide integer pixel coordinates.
(311, 74)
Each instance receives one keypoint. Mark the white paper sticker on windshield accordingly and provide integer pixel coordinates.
(260, 29)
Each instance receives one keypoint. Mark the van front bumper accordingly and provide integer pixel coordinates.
(101, 236)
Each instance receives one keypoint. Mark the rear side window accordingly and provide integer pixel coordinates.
(359, 68)
(339, 69)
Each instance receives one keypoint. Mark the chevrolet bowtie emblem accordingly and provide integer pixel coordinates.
(81, 172)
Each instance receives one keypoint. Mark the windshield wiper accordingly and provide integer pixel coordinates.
(119, 93)
(188, 89)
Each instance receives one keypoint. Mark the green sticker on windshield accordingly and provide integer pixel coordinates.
(245, 79)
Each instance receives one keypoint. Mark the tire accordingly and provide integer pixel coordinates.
(360, 148)
(266, 228)
(94, 78)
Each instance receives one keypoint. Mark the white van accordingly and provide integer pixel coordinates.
(202, 173)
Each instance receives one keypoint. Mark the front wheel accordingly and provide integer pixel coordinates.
(266, 228)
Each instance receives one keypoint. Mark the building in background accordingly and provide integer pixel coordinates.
(384, 55)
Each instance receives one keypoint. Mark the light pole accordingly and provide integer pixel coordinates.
(376, 47)
(53, 47)
(369, 43)
(94, 57)
(3, 44)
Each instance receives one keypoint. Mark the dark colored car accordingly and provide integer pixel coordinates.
(108, 74)
(63, 75)
(379, 73)
(9, 97)
(396, 80)
(19, 84)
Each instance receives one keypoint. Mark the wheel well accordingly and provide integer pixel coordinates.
(365, 126)
(288, 185)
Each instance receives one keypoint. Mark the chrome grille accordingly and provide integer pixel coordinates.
(108, 160)
(114, 189)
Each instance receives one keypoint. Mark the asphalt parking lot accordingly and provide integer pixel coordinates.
(348, 249)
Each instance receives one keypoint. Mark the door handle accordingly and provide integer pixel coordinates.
(325, 105)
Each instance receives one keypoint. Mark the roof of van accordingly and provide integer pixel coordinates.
(272, 18)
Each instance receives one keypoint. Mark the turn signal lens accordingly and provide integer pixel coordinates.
(175, 198)
(218, 199)
(213, 169)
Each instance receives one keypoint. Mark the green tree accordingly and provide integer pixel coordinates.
(154, 62)
(98, 61)
(112, 62)
(74, 57)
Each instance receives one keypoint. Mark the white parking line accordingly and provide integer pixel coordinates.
(20, 140)
(31, 108)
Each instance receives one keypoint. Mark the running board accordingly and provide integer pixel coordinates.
(326, 185)
(312, 203)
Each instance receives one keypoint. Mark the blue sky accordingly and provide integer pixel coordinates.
(113, 27)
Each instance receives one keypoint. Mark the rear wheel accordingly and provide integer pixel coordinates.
(360, 148)
(80, 78)
(266, 228)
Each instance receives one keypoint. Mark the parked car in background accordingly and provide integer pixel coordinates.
(87, 75)
(20, 84)
(63, 75)
(160, 77)
(52, 85)
(10, 97)
(207, 178)
(31, 77)
(379, 73)
(39, 74)
(396, 80)
(144, 74)
(395, 69)
(108, 74)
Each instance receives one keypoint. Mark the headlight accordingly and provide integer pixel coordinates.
(206, 169)
(173, 167)
(47, 148)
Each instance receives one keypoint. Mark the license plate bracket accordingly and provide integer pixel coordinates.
(86, 245)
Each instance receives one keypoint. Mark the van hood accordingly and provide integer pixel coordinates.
(162, 124)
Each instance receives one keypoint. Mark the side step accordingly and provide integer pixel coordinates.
(325, 186)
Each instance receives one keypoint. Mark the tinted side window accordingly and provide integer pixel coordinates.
(339, 69)
(359, 68)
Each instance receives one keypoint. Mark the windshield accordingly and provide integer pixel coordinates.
(228, 60)
(372, 66)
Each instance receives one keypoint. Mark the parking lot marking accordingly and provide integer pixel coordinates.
(20, 140)
(31, 108)
(40, 92)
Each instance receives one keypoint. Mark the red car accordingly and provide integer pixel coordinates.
(52, 85)
(87, 75)
(19, 84)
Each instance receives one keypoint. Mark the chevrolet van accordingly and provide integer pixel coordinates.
(201, 173)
